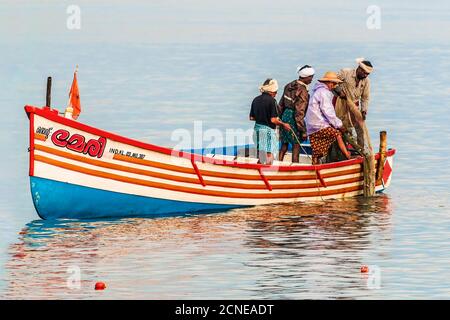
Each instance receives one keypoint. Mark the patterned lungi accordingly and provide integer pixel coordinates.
(265, 138)
(321, 142)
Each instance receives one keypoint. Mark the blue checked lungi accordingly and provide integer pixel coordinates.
(265, 138)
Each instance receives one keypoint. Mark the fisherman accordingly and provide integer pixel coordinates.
(322, 124)
(356, 85)
(292, 108)
(264, 112)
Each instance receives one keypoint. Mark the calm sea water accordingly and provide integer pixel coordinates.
(281, 251)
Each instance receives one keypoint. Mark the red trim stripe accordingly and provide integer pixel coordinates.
(215, 193)
(31, 171)
(266, 182)
(322, 182)
(53, 116)
(165, 166)
(175, 178)
(199, 175)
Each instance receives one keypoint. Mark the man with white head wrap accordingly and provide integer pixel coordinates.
(357, 83)
(305, 71)
(355, 86)
(264, 112)
(292, 109)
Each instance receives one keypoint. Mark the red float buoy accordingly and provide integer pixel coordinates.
(364, 269)
(100, 286)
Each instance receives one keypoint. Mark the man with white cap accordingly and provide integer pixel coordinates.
(292, 109)
(264, 112)
(356, 85)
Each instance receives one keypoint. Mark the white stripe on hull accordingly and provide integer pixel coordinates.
(181, 162)
(49, 171)
(196, 185)
(44, 170)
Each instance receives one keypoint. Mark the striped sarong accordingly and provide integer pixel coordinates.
(265, 138)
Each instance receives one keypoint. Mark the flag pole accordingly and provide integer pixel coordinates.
(69, 109)
(75, 72)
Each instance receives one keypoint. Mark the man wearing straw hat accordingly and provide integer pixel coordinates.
(322, 124)
(356, 87)
(264, 112)
(292, 109)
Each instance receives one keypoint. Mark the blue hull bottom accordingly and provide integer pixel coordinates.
(54, 199)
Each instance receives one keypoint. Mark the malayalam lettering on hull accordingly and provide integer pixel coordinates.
(77, 142)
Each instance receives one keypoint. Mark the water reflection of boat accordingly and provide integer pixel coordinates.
(283, 250)
(315, 251)
(78, 171)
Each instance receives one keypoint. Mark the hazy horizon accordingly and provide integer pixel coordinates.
(202, 21)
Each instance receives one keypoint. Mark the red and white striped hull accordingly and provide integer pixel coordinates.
(73, 154)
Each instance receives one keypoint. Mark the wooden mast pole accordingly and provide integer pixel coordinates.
(380, 167)
(49, 92)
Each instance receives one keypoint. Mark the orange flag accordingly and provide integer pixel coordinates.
(74, 97)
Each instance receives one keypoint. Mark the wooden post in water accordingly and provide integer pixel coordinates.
(380, 167)
(49, 92)
(368, 166)
(369, 175)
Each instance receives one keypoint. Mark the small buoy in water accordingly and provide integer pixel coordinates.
(364, 269)
(100, 286)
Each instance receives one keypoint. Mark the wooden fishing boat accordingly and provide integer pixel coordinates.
(78, 171)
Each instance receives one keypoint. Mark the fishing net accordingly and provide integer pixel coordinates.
(357, 135)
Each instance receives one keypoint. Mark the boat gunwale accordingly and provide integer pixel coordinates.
(52, 114)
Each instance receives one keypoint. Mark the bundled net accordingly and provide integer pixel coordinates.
(358, 136)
